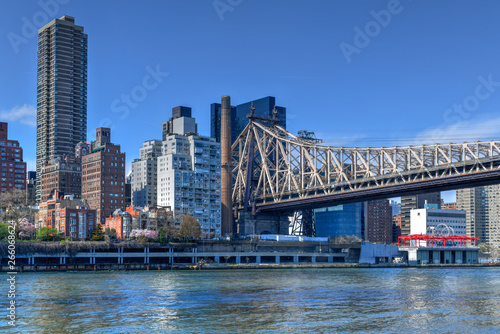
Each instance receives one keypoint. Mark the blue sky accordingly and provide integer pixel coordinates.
(358, 73)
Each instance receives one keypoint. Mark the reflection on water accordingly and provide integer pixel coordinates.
(281, 300)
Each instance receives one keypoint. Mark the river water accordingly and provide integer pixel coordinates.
(325, 300)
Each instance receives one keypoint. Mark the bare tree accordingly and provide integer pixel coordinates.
(190, 228)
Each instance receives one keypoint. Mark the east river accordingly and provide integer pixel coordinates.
(382, 300)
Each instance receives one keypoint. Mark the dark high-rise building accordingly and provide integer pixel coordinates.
(215, 119)
(103, 176)
(415, 202)
(13, 168)
(263, 108)
(378, 221)
(31, 188)
(61, 90)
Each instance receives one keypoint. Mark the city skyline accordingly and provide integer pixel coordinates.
(319, 84)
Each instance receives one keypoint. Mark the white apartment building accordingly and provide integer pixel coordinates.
(423, 221)
(188, 174)
(143, 177)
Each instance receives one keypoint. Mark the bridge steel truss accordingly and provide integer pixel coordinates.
(275, 170)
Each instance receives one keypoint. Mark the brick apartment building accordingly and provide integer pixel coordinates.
(103, 176)
(62, 174)
(378, 221)
(13, 168)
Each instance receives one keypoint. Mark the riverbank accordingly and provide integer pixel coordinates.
(160, 267)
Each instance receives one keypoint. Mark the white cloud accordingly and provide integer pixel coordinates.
(25, 114)
(469, 131)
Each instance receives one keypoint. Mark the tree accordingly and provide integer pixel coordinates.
(25, 230)
(97, 233)
(172, 231)
(190, 228)
(13, 206)
(111, 232)
(47, 234)
(4, 231)
(162, 236)
(484, 247)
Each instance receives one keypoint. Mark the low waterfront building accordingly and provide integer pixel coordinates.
(121, 222)
(427, 249)
(72, 217)
(429, 221)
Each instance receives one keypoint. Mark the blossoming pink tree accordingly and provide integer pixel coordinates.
(144, 233)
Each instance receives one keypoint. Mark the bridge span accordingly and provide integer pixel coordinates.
(275, 171)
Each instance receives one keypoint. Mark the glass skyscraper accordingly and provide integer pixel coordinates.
(340, 220)
(61, 90)
(239, 120)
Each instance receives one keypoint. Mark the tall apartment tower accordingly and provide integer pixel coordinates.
(482, 207)
(103, 176)
(144, 181)
(415, 202)
(61, 90)
(13, 168)
(471, 200)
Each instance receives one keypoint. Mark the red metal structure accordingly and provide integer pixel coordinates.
(416, 240)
